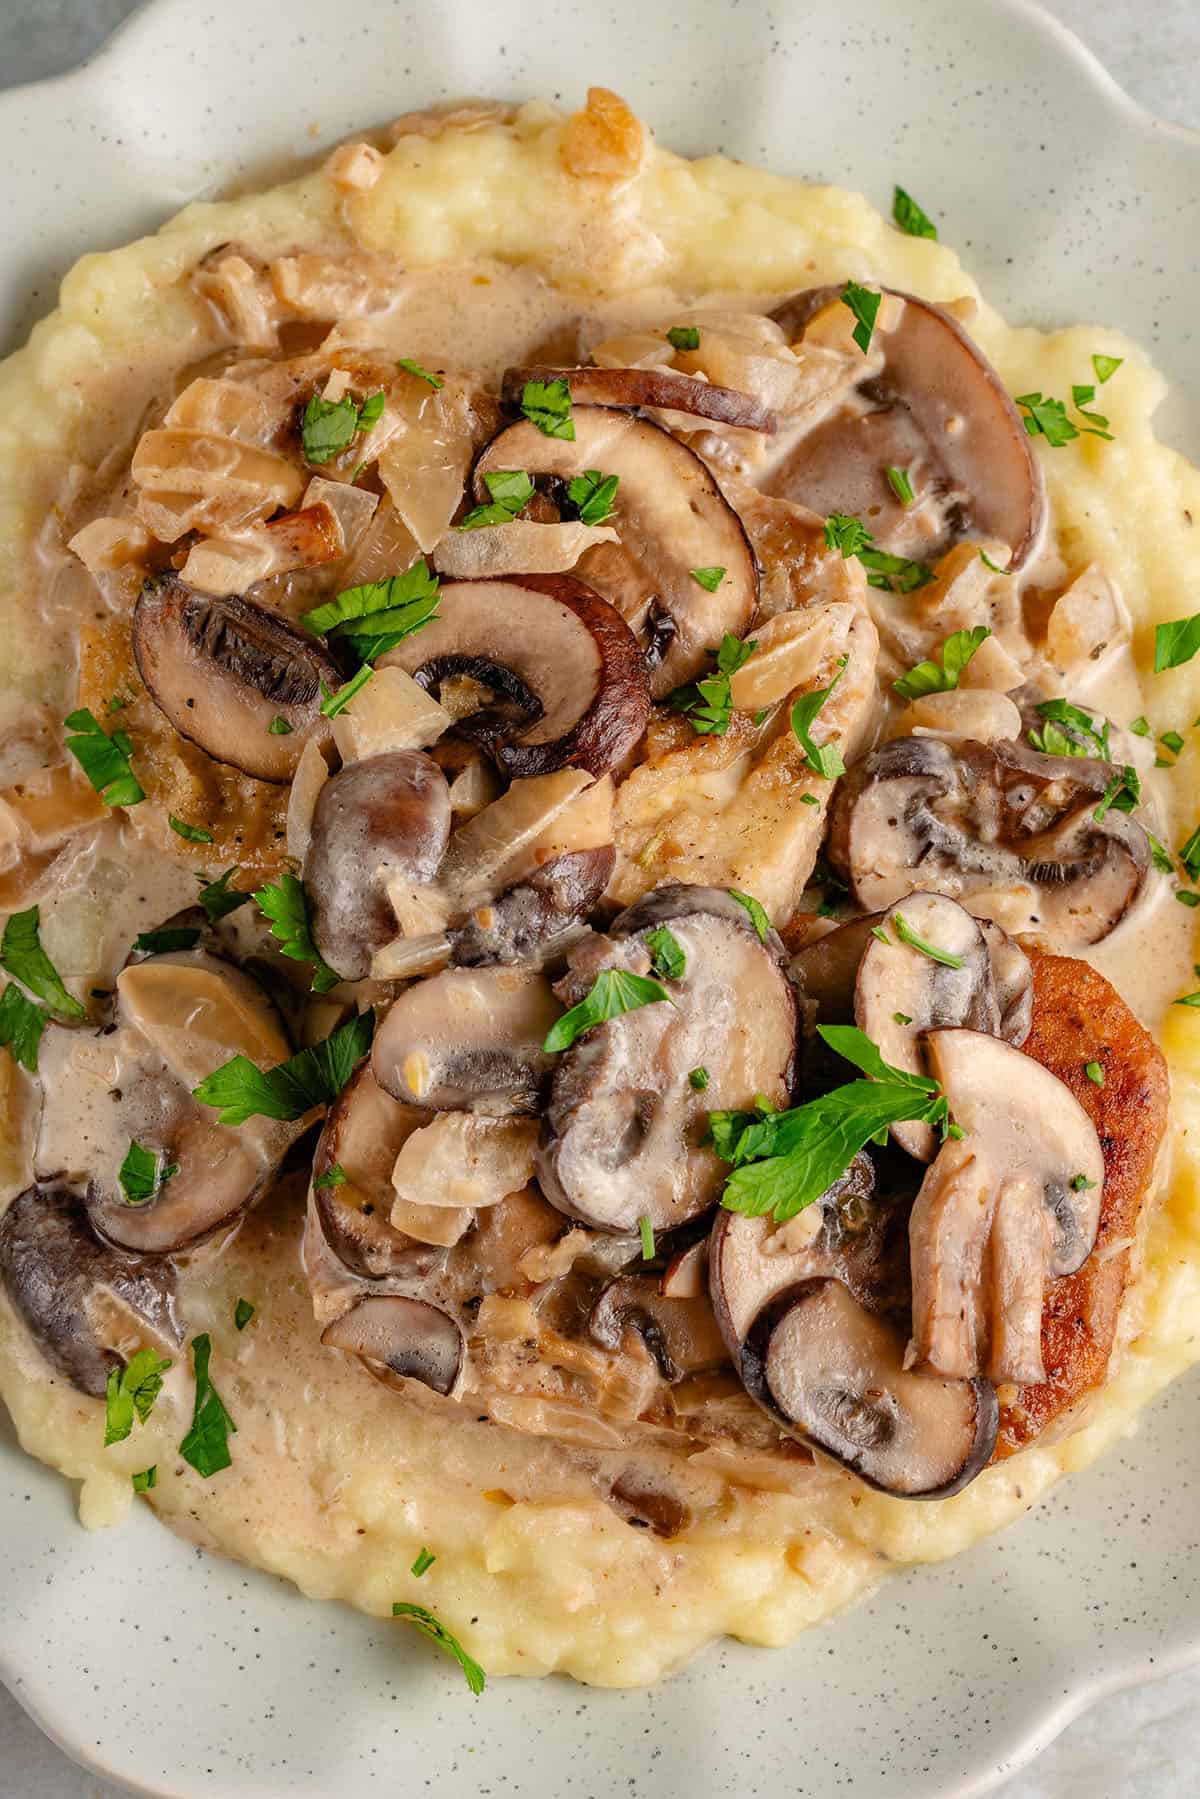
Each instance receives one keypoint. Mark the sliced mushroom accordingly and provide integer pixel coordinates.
(624, 1131)
(538, 915)
(1011, 833)
(383, 819)
(831, 1373)
(671, 517)
(686, 1274)
(1014, 1201)
(938, 409)
(680, 1334)
(468, 1038)
(567, 681)
(81, 1300)
(222, 669)
(364, 1133)
(400, 1339)
(648, 387)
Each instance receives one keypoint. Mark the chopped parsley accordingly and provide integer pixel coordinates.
(900, 484)
(329, 426)
(944, 674)
(1186, 898)
(423, 1563)
(1081, 1184)
(105, 760)
(547, 404)
(148, 1478)
(21, 953)
(377, 615)
(279, 727)
(336, 699)
(1094, 1073)
(684, 337)
(756, 911)
(1189, 855)
(238, 1089)
(914, 939)
(592, 494)
(334, 1176)
(219, 899)
(1085, 734)
(708, 578)
(163, 943)
(511, 490)
(994, 566)
(1044, 416)
(21, 1026)
(901, 1018)
(1171, 740)
(1176, 642)
(437, 1633)
(667, 956)
(863, 302)
(1122, 793)
(243, 1312)
(285, 903)
(826, 758)
(131, 1390)
(894, 574)
(647, 1234)
(1140, 727)
(1106, 367)
(613, 992)
(708, 704)
(189, 833)
(698, 1078)
(206, 1445)
(847, 534)
(910, 217)
(1160, 855)
(142, 1173)
(422, 374)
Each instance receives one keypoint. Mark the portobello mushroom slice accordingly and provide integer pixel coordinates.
(468, 1038)
(625, 1129)
(831, 1373)
(936, 408)
(672, 519)
(999, 827)
(81, 1300)
(222, 668)
(633, 388)
(384, 819)
(1011, 1204)
(400, 1339)
(566, 680)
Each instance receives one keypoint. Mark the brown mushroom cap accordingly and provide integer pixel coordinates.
(469, 1037)
(624, 1134)
(400, 1339)
(71, 1290)
(680, 1334)
(667, 388)
(972, 819)
(671, 517)
(383, 818)
(364, 1132)
(223, 668)
(831, 1373)
(568, 680)
(937, 407)
(537, 914)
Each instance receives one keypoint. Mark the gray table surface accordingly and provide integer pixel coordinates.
(1139, 1745)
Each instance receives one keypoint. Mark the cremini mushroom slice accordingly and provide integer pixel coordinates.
(1013, 1202)
(936, 408)
(468, 1038)
(222, 669)
(400, 1339)
(1011, 833)
(625, 1129)
(539, 914)
(562, 674)
(831, 1372)
(671, 518)
(81, 1300)
(637, 387)
(521, 547)
(465, 1160)
(385, 818)
(686, 1274)
(680, 1334)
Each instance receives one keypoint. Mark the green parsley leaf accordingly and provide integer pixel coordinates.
(22, 954)
(279, 727)
(667, 957)
(900, 484)
(878, 931)
(370, 412)
(330, 426)
(141, 1174)
(1083, 731)
(335, 700)
(698, 1078)
(826, 758)
(1189, 999)
(994, 566)
(21, 1026)
(647, 1234)
(163, 943)
(943, 675)
(1045, 417)
(708, 578)
(189, 833)
(219, 899)
(547, 404)
(1106, 367)
(1189, 855)
(1187, 899)
(901, 1018)
(239, 1090)
(863, 302)
(1140, 727)
(1172, 741)
(285, 904)
(613, 992)
(911, 219)
(758, 914)
(104, 760)
(1083, 396)
(1122, 793)
(148, 1478)
(1160, 855)
(846, 533)
(593, 494)
(206, 1445)
(914, 939)
(129, 1390)
(684, 337)
(1094, 1073)
(423, 1563)
(437, 1633)
(709, 703)
(895, 574)
(243, 1312)
(393, 609)
(335, 1176)
(511, 491)
(422, 374)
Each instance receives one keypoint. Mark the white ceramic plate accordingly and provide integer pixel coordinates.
(187, 1677)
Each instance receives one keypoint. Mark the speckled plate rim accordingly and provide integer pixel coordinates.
(140, 166)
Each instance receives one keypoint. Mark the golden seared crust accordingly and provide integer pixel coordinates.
(1078, 1017)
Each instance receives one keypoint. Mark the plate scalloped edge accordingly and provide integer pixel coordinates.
(1004, 1665)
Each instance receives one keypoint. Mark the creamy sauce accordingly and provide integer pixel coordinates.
(336, 1480)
